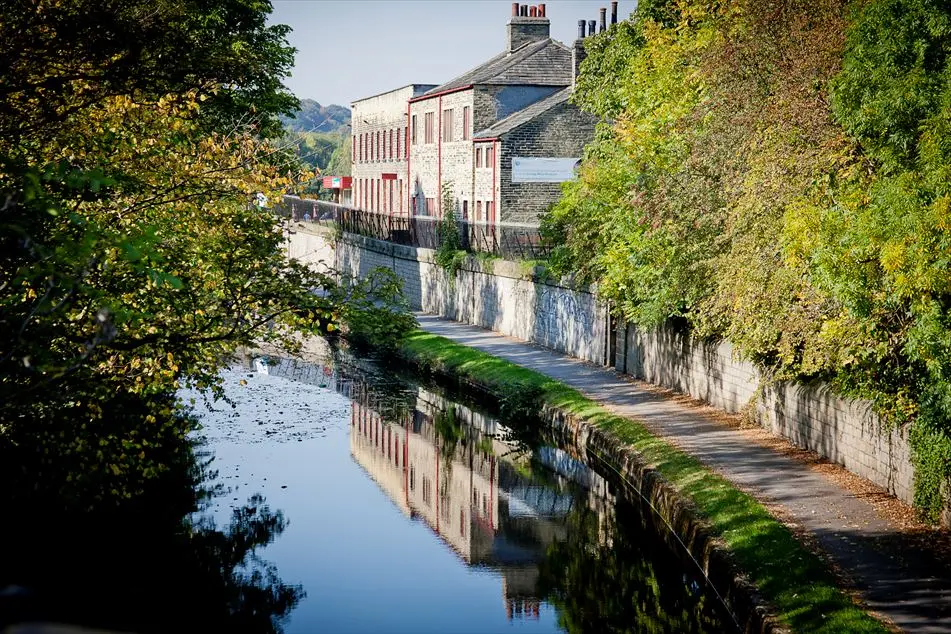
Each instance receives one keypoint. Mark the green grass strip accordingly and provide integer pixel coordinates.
(798, 585)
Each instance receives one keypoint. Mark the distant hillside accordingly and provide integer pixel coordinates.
(313, 117)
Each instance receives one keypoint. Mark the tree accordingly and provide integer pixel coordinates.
(132, 146)
(776, 174)
(340, 160)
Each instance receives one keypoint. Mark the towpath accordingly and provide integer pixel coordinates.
(896, 572)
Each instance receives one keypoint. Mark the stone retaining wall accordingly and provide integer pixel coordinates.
(512, 300)
(496, 294)
(844, 431)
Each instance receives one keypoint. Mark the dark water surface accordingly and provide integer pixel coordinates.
(350, 499)
(412, 512)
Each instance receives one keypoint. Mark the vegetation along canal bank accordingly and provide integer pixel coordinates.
(774, 581)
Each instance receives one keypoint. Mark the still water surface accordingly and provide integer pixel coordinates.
(410, 511)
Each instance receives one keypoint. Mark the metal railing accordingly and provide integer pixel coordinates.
(509, 240)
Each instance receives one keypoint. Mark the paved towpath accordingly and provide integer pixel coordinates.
(894, 575)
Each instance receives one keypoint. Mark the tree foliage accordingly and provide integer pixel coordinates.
(776, 173)
(132, 146)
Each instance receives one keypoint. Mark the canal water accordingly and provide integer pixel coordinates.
(412, 509)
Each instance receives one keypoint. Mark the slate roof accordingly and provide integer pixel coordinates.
(543, 63)
(524, 115)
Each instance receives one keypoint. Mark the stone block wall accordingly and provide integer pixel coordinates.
(844, 431)
(495, 294)
(310, 246)
(561, 131)
(504, 297)
(704, 370)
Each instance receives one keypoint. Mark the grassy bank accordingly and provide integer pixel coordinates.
(802, 591)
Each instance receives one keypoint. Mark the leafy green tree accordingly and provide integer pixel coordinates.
(340, 160)
(776, 173)
(135, 259)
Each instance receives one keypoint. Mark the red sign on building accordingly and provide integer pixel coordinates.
(337, 182)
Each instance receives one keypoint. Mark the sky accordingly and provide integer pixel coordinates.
(349, 50)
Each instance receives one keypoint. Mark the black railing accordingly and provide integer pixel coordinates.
(505, 239)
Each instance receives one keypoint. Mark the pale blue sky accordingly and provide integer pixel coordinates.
(348, 50)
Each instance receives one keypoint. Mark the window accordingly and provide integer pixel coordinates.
(489, 211)
(478, 157)
(462, 523)
(465, 209)
(383, 147)
(377, 153)
(391, 144)
(430, 206)
(413, 130)
(478, 211)
(447, 126)
(353, 148)
(465, 123)
(398, 130)
(412, 478)
(428, 137)
(490, 156)
(427, 491)
(360, 143)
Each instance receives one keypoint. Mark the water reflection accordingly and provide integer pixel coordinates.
(155, 565)
(554, 531)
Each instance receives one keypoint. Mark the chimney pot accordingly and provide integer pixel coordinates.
(614, 12)
(526, 28)
(580, 29)
(591, 25)
(604, 19)
(541, 10)
(514, 9)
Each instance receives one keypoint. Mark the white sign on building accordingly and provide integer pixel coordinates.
(543, 170)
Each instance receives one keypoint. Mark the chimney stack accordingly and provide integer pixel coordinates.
(577, 53)
(527, 25)
(614, 12)
(604, 20)
(591, 25)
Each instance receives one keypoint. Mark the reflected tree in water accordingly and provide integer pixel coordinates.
(156, 564)
(607, 579)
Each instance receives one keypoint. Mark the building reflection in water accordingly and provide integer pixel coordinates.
(548, 525)
(446, 465)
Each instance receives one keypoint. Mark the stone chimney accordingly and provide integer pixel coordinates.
(577, 53)
(527, 25)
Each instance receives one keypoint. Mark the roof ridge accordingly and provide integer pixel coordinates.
(499, 65)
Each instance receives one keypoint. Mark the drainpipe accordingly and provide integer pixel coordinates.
(409, 188)
(439, 160)
(496, 158)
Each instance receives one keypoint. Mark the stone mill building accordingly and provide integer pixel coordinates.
(502, 136)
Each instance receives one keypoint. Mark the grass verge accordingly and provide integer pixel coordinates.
(797, 584)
